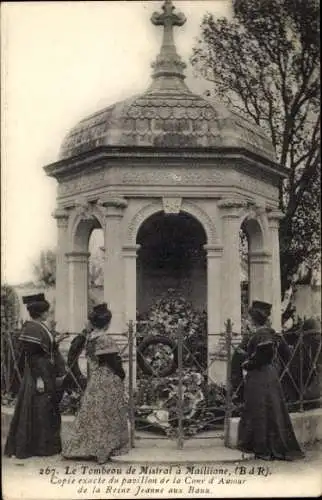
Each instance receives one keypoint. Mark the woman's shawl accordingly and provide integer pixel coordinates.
(261, 348)
(100, 342)
(37, 333)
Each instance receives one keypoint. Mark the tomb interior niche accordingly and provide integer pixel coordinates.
(171, 256)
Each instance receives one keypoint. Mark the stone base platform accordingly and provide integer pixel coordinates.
(307, 427)
(207, 447)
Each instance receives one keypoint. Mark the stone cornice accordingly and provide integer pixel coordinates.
(152, 155)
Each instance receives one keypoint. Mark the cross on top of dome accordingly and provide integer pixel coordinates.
(168, 113)
(168, 62)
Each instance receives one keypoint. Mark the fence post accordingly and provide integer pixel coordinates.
(131, 388)
(180, 387)
(228, 409)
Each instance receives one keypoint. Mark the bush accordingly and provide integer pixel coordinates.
(10, 352)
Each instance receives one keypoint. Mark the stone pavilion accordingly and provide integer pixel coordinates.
(170, 177)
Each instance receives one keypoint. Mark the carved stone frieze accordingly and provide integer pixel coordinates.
(143, 176)
(83, 183)
(257, 186)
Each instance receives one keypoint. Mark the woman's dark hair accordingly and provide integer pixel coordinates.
(101, 321)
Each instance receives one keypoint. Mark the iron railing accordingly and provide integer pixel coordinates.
(298, 360)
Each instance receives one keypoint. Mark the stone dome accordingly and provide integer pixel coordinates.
(167, 114)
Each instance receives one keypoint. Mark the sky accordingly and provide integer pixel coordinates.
(60, 62)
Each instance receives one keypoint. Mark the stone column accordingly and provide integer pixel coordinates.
(113, 261)
(130, 285)
(260, 280)
(61, 287)
(78, 290)
(273, 220)
(231, 272)
(216, 367)
(130, 256)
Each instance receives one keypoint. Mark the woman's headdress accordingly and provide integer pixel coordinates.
(36, 303)
(260, 310)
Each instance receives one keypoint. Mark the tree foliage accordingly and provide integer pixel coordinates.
(10, 320)
(45, 268)
(265, 64)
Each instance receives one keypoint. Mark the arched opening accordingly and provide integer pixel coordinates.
(171, 256)
(86, 266)
(253, 262)
(171, 291)
(79, 264)
(96, 267)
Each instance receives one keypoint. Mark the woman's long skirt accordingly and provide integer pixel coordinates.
(100, 429)
(35, 426)
(265, 426)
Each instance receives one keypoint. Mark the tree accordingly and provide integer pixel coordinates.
(10, 319)
(45, 269)
(264, 63)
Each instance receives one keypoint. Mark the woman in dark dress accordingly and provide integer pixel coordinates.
(265, 427)
(35, 426)
(100, 429)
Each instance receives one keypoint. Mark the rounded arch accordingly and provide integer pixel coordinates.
(204, 219)
(256, 226)
(152, 208)
(81, 225)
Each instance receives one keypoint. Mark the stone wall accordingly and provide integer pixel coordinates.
(153, 286)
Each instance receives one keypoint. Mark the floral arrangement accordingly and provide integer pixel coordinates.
(203, 404)
(164, 318)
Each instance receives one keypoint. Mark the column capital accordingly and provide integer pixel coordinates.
(274, 217)
(61, 215)
(231, 203)
(112, 204)
(213, 251)
(260, 256)
(81, 257)
(131, 251)
(82, 207)
(231, 207)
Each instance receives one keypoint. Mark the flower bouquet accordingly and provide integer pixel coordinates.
(163, 320)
